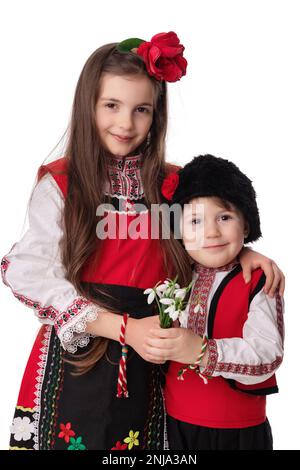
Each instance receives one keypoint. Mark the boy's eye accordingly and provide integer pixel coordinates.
(196, 221)
(225, 217)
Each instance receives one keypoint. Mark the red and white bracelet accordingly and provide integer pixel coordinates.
(122, 377)
(196, 365)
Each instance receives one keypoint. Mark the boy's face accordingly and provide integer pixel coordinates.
(213, 235)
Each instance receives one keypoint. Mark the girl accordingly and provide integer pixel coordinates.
(220, 401)
(86, 285)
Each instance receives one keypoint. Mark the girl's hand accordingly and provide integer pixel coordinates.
(136, 332)
(175, 344)
(275, 279)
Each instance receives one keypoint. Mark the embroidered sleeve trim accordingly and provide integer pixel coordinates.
(43, 313)
(248, 369)
(212, 358)
(70, 324)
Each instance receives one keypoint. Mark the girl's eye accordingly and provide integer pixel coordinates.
(110, 105)
(142, 110)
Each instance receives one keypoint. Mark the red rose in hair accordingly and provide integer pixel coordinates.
(163, 57)
(169, 185)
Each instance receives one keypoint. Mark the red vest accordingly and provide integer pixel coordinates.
(230, 325)
(220, 403)
(128, 262)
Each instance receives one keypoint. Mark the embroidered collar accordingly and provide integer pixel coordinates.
(116, 162)
(205, 271)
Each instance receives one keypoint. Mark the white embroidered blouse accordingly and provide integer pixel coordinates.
(33, 270)
(257, 355)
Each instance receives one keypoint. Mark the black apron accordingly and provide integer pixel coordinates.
(84, 413)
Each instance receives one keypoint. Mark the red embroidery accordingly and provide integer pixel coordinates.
(60, 318)
(248, 369)
(42, 312)
(66, 432)
(75, 309)
(119, 446)
(4, 266)
(200, 293)
(212, 358)
(125, 177)
(202, 287)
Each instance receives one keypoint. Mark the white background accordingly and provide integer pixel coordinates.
(240, 100)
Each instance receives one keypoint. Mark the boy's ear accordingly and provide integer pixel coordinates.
(246, 230)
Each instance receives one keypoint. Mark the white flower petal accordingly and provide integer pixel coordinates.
(180, 293)
(174, 315)
(183, 319)
(151, 297)
(170, 309)
(167, 301)
(162, 288)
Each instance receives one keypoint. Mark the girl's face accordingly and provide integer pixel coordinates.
(124, 112)
(213, 235)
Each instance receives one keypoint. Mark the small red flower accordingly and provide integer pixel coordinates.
(119, 446)
(169, 185)
(163, 57)
(66, 432)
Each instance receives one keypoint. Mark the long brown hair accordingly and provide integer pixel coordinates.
(87, 173)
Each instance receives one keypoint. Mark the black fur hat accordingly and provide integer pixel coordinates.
(209, 176)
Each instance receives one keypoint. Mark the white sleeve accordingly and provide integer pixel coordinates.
(257, 355)
(34, 272)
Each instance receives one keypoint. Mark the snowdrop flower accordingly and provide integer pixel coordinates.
(169, 282)
(22, 428)
(167, 301)
(174, 315)
(151, 295)
(183, 318)
(170, 297)
(161, 289)
(170, 310)
(180, 293)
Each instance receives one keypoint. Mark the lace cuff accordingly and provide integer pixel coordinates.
(71, 324)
